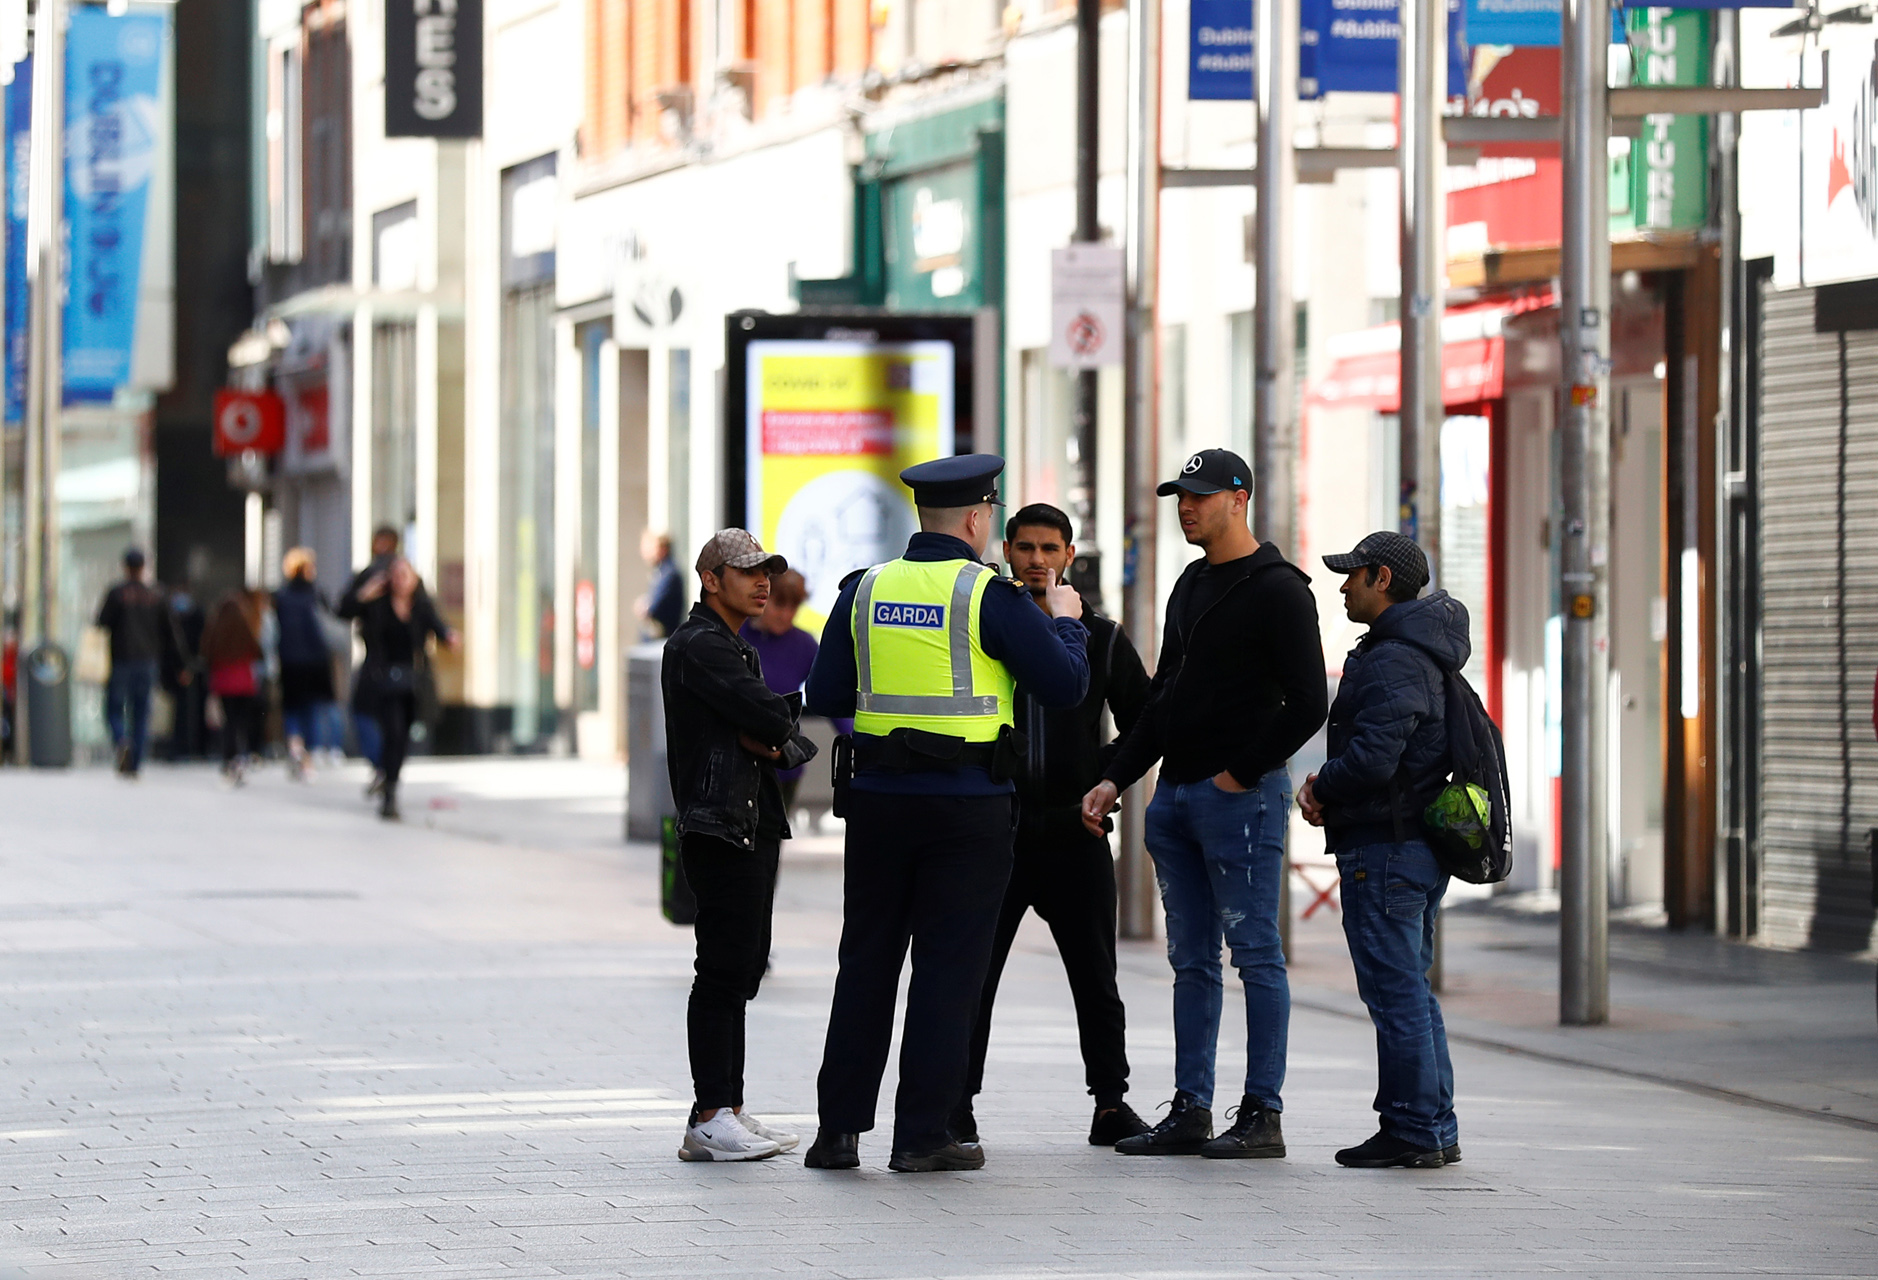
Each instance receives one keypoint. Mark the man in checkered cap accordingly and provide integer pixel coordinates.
(1386, 758)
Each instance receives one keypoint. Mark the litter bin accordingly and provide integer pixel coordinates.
(648, 786)
(47, 691)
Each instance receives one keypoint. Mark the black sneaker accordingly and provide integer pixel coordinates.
(1183, 1133)
(388, 806)
(1255, 1135)
(834, 1151)
(1451, 1154)
(963, 1126)
(954, 1157)
(1386, 1152)
(1112, 1124)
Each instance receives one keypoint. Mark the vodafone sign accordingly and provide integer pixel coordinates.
(249, 420)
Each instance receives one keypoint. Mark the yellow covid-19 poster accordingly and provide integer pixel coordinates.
(830, 426)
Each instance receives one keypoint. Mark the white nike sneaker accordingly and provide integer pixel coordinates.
(783, 1141)
(723, 1137)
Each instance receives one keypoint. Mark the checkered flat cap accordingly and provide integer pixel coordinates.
(1384, 549)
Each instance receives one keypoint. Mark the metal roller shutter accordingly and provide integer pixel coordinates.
(1819, 610)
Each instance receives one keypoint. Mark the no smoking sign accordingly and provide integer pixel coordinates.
(1086, 297)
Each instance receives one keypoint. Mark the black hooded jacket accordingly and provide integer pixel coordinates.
(1387, 728)
(1239, 685)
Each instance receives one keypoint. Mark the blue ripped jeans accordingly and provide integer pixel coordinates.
(1391, 898)
(1219, 859)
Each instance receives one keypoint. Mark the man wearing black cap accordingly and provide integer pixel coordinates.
(725, 733)
(925, 653)
(1387, 758)
(1238, 688)
(143, 631)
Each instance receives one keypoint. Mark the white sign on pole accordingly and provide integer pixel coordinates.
(1086, 306)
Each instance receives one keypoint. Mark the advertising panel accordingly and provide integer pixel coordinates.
(1838, 195)
(434, 69)
(824, 417)
(115, 140)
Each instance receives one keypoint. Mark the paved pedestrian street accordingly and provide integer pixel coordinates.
(259, 1033)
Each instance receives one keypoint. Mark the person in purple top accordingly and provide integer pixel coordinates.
(787, 652)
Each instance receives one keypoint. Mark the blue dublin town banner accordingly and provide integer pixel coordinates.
(17, 138)
(1220, 51)
(114, 124)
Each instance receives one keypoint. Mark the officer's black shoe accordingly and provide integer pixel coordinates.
(1183, 1133)
(1386, 1152)
(1255, 1135)
(963, 1126)
(1112, 1124)
(834, 1151)
(1451, 1154)
(954, 1157)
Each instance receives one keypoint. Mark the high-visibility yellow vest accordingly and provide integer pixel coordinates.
(918, 655)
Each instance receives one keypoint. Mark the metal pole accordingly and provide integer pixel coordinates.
(45, 253)
(1422, 68)
(1584, 511)
(1088, 231)
(1134, 871)
(1274, 420)
(1732, 882)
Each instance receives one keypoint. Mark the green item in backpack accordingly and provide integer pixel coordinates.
(1462, 813)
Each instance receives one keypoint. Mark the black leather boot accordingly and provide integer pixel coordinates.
(954, 1157)
(1255, 1135)
(834, 1151)
(1185, 1130)
(1112, 1124)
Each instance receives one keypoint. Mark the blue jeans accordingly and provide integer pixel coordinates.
(371, 741)
(313, 724)
(1219, 859)
(1391, 897)
(127, 708)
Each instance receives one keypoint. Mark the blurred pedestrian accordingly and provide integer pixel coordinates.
(396, 621)
(725, 733)
(143, 633)
(232, 654)
(787, 653)
(306, 663)
(1239, 688)
(384, 547)
(1386, 759)
(662, 607)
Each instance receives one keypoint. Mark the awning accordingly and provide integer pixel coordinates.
(1367, 373)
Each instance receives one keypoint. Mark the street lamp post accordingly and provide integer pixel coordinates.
(1274, 413)
(1583, 540)
(1422, 69)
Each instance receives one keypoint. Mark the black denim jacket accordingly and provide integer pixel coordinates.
(713, 686)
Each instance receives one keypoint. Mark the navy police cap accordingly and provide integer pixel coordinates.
(964, 481)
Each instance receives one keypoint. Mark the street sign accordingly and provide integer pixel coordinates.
(249, 422)
(1220, 50)
(434, 69)
(1086, 306)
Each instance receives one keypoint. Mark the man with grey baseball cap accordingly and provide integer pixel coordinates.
(725, 735)
(1386, 758)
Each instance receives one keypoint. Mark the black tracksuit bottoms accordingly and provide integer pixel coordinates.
(735, 888)
(1069, 879)
(929, 871)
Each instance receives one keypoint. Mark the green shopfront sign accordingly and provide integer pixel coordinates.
(1663, 183)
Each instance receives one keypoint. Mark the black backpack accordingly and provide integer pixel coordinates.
(1469, 824)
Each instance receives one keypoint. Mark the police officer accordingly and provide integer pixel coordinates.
(925, 653)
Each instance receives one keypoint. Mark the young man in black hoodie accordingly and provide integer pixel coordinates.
(1063, 871)
(1239, 687)
(1387, 759)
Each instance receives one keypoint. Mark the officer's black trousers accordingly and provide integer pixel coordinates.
(736, 888)
(929, 870)
(1069, 878)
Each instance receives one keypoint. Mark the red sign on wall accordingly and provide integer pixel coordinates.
(249, 420)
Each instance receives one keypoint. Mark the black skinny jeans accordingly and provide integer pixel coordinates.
(241, 726)
(736, 889)
(1069, 879)
(395, 713)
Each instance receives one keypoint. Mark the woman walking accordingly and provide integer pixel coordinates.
(396, 620)
(231, 650)
(306, 664)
